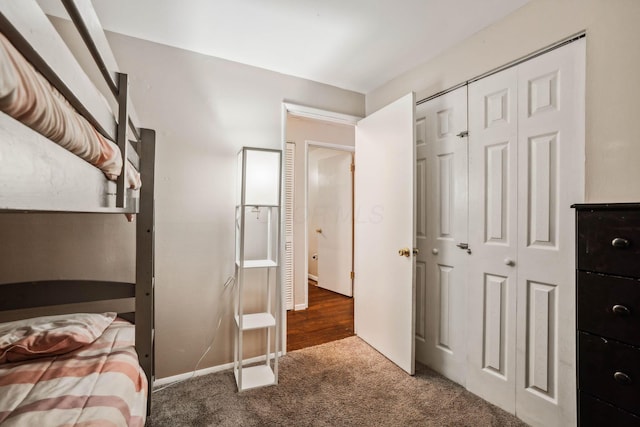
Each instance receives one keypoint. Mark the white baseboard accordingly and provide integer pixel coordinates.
(204, 371)
(300, 307)
(187, 375)
(312, 277)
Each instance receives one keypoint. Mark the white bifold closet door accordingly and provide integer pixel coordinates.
(493, 171)
(526, 157)
(441, 231)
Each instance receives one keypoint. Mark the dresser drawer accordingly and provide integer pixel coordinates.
(593, 412)
(610, 371)
(609, 241)
(609, 306)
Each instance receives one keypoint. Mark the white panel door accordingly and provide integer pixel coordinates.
(441, 228)
(493, 134)
(334, 219)
(550, 179)
(384, 224)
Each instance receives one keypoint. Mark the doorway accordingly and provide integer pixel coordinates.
(383, 314)
(318, 314)
(329, 249)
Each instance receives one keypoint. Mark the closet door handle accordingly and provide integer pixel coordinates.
(620, 243)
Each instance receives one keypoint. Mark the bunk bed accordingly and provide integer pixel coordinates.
(43, 169)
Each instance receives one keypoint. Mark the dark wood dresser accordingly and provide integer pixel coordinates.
(608, 314)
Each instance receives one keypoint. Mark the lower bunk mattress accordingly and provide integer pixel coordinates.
(78, 372)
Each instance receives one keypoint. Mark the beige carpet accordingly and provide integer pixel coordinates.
(342, 383)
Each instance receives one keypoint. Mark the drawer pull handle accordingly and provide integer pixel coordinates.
(621, 243)
(621, 310)
(622, 378)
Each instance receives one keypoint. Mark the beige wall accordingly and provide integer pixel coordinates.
(204, 110)
(612, 91)
(300, 130)
(92, 247)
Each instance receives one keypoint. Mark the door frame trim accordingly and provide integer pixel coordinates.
(318, 114)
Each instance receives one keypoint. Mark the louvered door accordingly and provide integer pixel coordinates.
(287, 271)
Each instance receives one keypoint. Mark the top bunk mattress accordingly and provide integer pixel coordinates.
(29, 98)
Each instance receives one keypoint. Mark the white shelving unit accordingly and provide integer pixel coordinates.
(258, 293)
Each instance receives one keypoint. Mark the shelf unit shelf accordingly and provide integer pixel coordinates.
(258, 263)
(256, 321)
(258, 289)
(255, 376)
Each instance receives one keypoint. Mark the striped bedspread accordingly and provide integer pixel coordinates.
(101, 384)
(28, 97)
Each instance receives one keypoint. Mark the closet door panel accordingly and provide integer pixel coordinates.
(421, 214)
(493, 151)
(441, 153)
(550, 180)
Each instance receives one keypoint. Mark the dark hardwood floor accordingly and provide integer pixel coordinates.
(328, 318)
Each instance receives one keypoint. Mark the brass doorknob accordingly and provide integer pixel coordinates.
(404, 252)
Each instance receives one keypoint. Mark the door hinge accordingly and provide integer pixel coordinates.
(464, 246)
(353, 167)
(353, 275)
(463, 134)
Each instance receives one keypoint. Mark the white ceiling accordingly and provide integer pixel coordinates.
(352, 44)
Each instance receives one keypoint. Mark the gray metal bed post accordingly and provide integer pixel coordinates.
(121, 135)
(145, 276)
